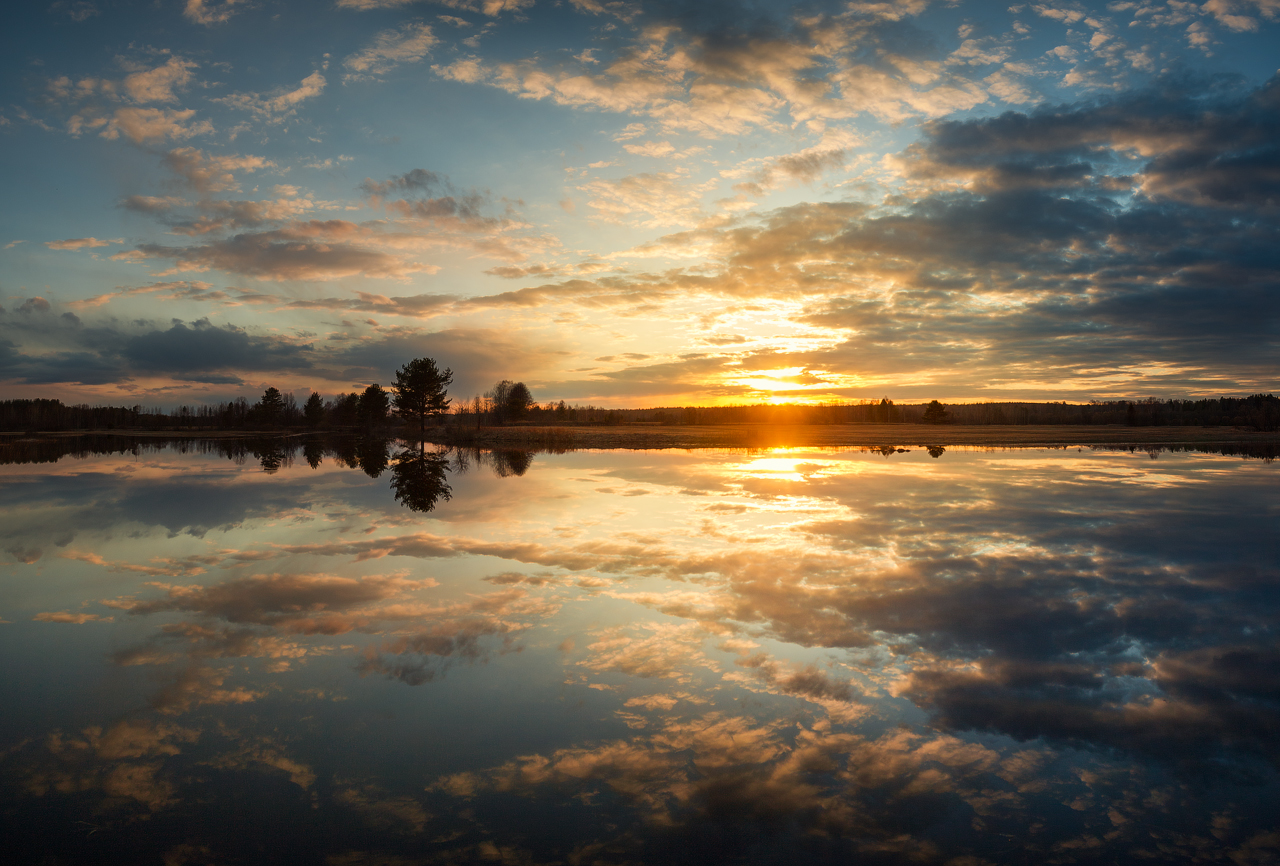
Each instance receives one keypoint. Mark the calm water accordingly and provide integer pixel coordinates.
(242, 654)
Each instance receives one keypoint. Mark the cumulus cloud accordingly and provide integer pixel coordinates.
(158, 84)
(280, 104)
(143, 125)
(204, 173)
(410, 43)
(723, 84)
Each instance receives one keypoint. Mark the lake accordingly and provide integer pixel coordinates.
(365, 652)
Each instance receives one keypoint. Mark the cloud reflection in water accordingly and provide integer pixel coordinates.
(711, 656)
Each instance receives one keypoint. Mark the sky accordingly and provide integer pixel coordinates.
(641, 204)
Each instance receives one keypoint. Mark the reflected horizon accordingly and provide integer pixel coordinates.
(243, 651)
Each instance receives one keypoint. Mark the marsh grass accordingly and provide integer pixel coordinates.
(528, 438)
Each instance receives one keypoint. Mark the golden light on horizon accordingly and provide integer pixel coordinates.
(779, 386)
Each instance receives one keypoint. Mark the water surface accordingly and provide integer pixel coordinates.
(353, 652)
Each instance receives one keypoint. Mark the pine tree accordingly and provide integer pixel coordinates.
(419, 390)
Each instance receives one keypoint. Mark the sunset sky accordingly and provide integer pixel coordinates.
(641, 203)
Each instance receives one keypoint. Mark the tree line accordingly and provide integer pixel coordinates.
(419, 395)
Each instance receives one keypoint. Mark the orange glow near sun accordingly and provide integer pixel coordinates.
(781, 385)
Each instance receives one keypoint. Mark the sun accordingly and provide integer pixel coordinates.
(793, 384)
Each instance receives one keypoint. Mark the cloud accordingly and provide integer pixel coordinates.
(1040, 240)
(651, 199)
(449, 209)
(492, 8)
(204, 173)
(805, 166)
(199, 686)
(63, 348)
(390, 48)
(204, 346)
(144, 125)
(724, 82)
(312, 250)
(158, 84)
(81, 243)
(650, 148)
(1228, 13)
(279, 105)
(74, 618)
(1224, 158)
(172, 290)
(210, 12)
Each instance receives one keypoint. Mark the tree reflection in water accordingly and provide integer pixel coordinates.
(419, 478)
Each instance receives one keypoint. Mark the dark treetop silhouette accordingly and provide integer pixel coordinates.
(419, 390)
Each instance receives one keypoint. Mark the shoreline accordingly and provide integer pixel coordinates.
(652, 437)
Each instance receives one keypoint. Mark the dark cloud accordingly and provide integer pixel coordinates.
(418, 180)
(62, 348)
(453, 209)
(1203, 143)
(314, 250)
(205, 347)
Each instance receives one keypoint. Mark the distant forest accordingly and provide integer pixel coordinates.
(373, 410)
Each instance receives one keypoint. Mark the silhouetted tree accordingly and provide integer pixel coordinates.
(935, 413)
(936, 451)
(519, 400)
(269, 409)
(313, 410)
(374, 406)
(419, 391)
(345, 409)
(510, 400)
(418, 479)
(497, 397)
